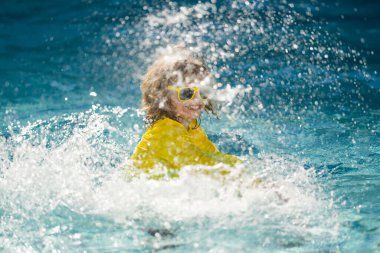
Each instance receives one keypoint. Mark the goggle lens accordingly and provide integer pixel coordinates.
(186, 93)
(203, 94)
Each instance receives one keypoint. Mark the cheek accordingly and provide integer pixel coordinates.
(176, 105)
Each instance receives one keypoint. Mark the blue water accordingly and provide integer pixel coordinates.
(301, 106)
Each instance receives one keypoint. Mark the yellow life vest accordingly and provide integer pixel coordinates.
(169, 143)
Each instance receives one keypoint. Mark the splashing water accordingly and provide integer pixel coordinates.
(69, 189)
(299, 105)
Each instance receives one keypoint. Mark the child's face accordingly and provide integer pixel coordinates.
(188, 110)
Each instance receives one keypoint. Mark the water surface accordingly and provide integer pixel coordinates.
(301, 106)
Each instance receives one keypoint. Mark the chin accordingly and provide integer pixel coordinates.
(192, 115)
(195, 116)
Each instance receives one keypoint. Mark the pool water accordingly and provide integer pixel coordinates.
(299, 95)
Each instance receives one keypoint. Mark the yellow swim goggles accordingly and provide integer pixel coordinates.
(188, 93)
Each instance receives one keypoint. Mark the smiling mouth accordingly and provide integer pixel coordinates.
(194, 108)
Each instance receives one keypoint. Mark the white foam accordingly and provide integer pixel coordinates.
(39, 179)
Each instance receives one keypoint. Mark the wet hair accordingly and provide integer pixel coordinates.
(175, 66)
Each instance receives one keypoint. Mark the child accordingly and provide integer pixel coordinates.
(174, 94)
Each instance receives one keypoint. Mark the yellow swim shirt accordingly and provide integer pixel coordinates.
(169, 143)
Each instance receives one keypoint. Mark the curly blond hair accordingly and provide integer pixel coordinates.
(176, 66)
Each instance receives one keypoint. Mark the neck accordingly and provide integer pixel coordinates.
(184, 122)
